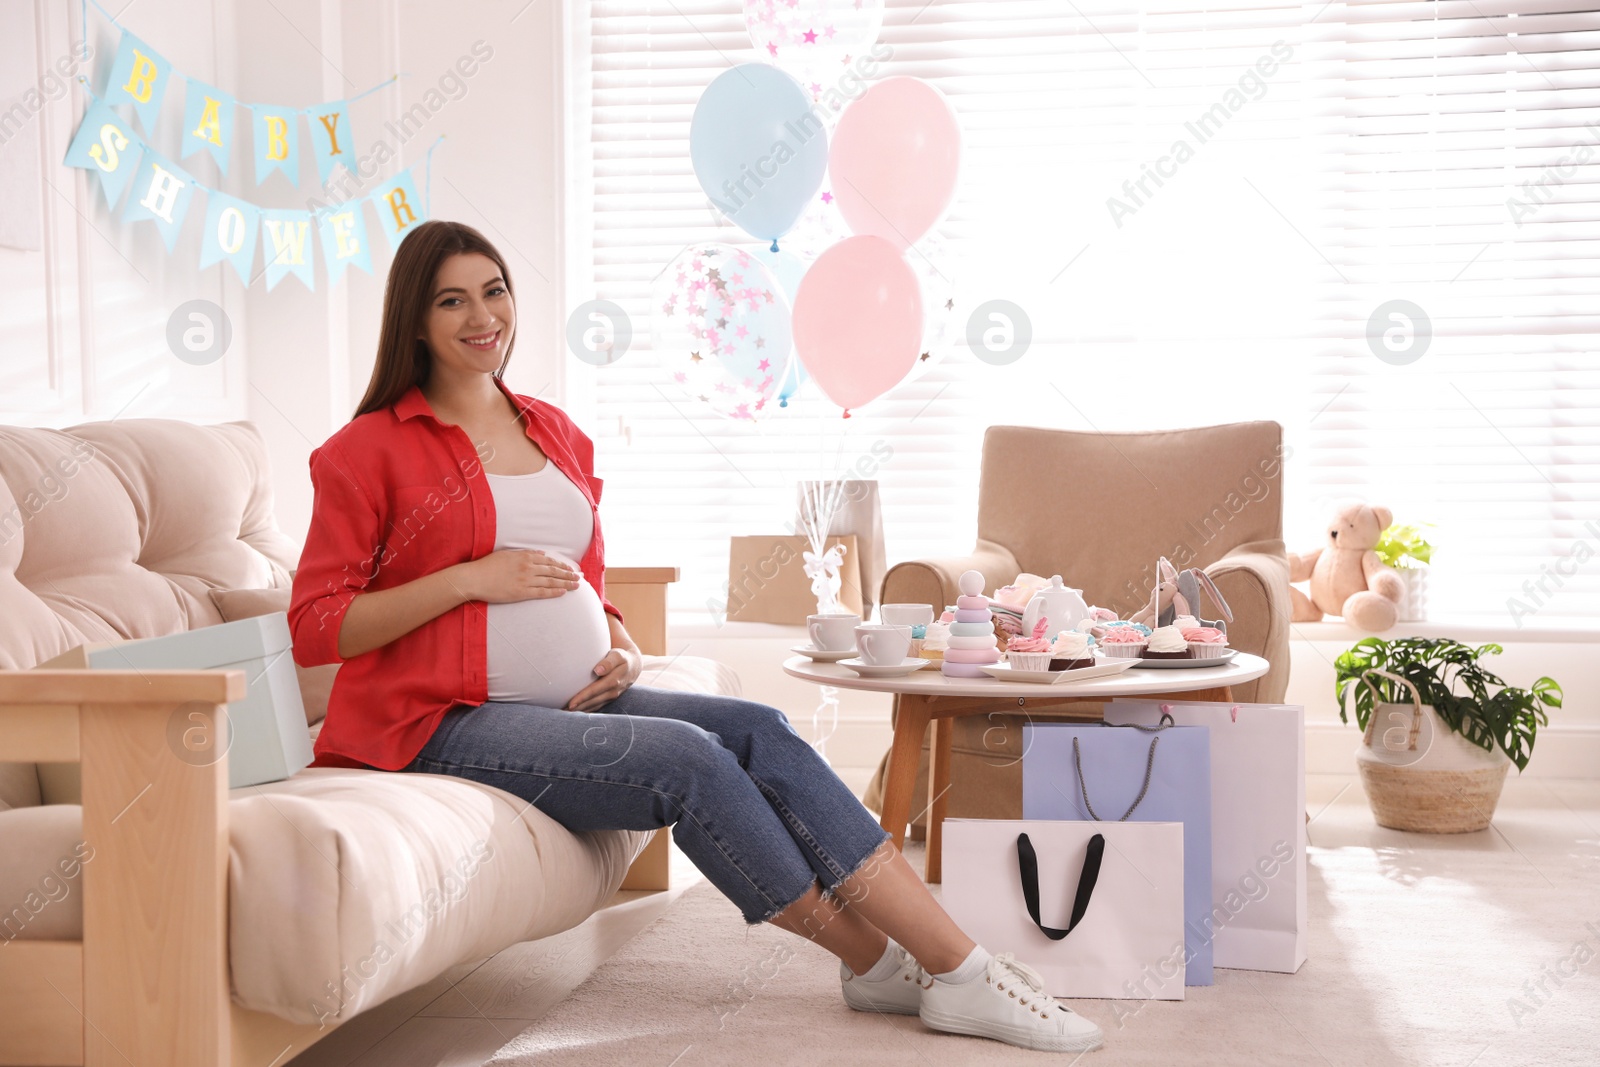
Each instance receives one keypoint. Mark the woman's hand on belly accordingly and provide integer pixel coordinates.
(615, 672)
(513, 574)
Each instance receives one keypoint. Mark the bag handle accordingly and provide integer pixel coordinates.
(1377, 698)
(1083, 787)
(1028, 864)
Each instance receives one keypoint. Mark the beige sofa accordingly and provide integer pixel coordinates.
(160, 918)
(1098, 509)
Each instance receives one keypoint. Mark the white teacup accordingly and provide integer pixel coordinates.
(906, 614)
(883, 645)
(833, 632)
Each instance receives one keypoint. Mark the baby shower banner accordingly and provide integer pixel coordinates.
(155, 188)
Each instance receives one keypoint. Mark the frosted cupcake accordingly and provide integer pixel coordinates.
(935, 639)
(1167, 642)
(1071, 651)
(1124, 642)
(1206, 642)
(1030, 653)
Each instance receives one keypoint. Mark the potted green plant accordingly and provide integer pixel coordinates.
(1403, 547)
(1450, 728)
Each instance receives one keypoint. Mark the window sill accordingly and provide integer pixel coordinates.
(1471, 631)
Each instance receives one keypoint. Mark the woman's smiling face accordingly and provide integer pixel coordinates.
(471, 316)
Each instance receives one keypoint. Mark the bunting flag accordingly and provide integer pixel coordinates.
(106, 146)
(138, 76)
(207, 122)
(230, 234)
(330, 137)
(161, 191)
(286, 244)
(399, 207)
(275, 137)
(343, 233)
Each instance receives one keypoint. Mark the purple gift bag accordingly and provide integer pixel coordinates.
(1093, 772)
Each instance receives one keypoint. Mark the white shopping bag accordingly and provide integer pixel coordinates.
(1258, 826)
(1113, 911)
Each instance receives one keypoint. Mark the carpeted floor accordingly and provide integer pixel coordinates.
(1414, 959)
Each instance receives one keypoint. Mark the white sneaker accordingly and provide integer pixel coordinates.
(901, 993)
(1008, 1003)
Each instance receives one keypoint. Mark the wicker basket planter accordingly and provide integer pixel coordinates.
(1439, 783)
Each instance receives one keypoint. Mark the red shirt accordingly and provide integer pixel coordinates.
(400, 495)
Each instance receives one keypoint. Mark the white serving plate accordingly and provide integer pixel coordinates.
(1006, 673)
(1186, 664)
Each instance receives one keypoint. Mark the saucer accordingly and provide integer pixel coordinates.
(1007, 673)
(1187, 664)
(892, 670)
(819, 655)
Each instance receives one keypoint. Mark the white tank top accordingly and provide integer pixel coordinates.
(542, 651)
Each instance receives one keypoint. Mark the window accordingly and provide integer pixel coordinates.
(1171, 194)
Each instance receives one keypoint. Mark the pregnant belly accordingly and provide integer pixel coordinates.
(543, 651)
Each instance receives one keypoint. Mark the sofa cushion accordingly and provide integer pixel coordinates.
(348, 886)
(316, 683)
(115, 531)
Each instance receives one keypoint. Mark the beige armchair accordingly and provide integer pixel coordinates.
(1098, 509)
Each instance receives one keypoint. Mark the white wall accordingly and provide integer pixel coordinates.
(498, 169)
(85, 315)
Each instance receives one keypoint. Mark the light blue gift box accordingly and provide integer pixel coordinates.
(268, 740)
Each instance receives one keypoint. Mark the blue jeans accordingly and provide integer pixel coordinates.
(748, 800)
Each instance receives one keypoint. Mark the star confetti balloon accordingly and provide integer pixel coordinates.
(815, 40)
(721, 324)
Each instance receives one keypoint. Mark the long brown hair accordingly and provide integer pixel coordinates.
(403, 357)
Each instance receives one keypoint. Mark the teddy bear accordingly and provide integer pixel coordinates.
(1347, 578)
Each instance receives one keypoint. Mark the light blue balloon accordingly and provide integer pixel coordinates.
(788, 269)
(759, 151)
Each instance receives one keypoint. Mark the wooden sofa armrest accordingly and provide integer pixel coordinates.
(154, 879)
(640, 593)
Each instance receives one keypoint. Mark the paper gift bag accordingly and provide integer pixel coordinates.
(858, 514)
(1090, 771)
(1258, 828)
(1095, 908)
(767, 580)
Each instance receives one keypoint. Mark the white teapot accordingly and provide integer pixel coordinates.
(1061, 606)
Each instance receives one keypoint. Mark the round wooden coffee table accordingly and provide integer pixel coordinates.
(928, 696)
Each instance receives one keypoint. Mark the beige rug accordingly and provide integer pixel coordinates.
(1416, 958)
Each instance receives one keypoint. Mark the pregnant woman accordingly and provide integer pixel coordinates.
(454, 566)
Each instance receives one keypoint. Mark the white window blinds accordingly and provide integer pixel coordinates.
(1459, 147)
(1172, 194)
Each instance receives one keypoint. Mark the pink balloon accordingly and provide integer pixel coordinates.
(894, 160)
(857, 320)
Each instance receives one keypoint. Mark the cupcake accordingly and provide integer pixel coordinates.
(1098, 630)
(1166, 642)
(935, 639)
(1070, 651)
(919, 634)
(1205, 642)
(1123, 642)
(1030, 653)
